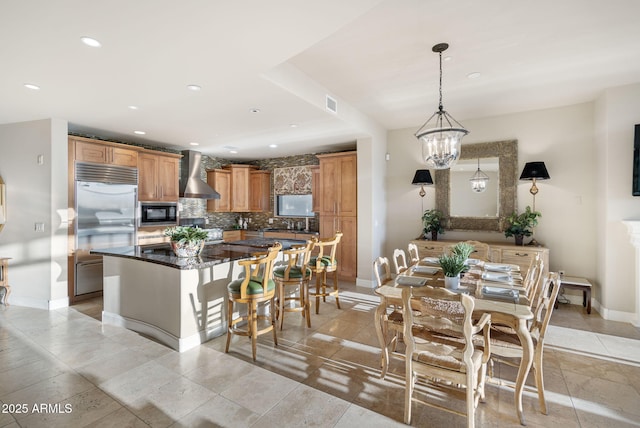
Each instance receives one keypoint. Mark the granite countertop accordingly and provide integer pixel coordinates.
(211, 254)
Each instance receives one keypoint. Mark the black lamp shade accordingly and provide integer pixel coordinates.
(423, 176)
(535, 170)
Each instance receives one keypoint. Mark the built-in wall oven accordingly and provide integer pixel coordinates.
(158, 214)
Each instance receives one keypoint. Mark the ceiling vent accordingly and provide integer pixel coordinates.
(332, 104)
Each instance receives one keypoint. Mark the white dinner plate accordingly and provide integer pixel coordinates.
(496, 267)
(413, 281)
(432, 260)
(497, 277)
(430, 270)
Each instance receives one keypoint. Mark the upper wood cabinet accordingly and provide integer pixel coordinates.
(242, 188)
(338, 184)
(158, 175)
(240, 180)
(220, 180)
(259, 190)
(102, 152)
(315, 188)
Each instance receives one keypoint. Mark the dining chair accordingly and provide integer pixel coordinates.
(414, 255)
(399, 261)
(294, 275)
(445, 353)
(322, 263)
(506, 347)
(381, 271)
(257, 286)
(533, 280)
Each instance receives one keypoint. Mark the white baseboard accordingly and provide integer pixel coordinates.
(30, 302)
(368, 283)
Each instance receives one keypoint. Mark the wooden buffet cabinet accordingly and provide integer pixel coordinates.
(338, 207)
(498, 252)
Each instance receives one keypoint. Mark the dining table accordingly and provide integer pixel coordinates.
(496, 289)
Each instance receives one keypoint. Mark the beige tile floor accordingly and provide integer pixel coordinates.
(63, 368)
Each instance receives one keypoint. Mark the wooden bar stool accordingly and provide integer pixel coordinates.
(321, 264)
(4, 280)
(257, 286)
(295, 274)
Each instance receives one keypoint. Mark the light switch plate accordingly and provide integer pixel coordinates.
(39, 227)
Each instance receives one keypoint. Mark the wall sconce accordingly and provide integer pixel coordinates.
(422, 177)
(534, 171)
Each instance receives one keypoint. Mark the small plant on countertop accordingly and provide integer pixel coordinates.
(185, 234)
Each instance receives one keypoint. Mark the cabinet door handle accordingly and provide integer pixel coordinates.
(522, 254)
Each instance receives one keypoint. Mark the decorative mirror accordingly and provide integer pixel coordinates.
(457, 201)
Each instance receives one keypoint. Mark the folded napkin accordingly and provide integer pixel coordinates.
(432, 260)
(430, 270)
(473, 262)
(501, 293)
(413, 281)
(497, 267)
(496, 276)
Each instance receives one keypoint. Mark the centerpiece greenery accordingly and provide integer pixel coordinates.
(455, 263)
(463, 249)
(432, 223)
(521, 225)
(186, 241)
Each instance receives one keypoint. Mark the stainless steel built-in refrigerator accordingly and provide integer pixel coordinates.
(106, 197)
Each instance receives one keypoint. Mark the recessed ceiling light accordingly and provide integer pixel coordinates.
(255, 110)
(133, 107)
(273, 146)
(139, 132)
(293, 125)
(447, 58)
(233, 151)
(90, 41)
(194, 87)
(193, 143)
(474, 75)
(31, 86)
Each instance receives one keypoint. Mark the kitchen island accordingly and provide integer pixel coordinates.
(178, 301)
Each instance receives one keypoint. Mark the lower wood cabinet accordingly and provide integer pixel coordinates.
(231, 235)
(347, 253)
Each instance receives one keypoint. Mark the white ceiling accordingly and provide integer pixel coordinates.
(284, 56)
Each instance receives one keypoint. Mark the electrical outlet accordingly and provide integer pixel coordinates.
(561, 272)
(39, 227)
(270, 221)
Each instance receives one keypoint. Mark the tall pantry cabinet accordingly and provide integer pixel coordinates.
(338, 207)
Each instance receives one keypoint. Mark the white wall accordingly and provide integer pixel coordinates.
(35, 194)
(618, 110)
(563, 138)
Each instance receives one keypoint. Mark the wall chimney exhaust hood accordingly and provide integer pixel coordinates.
(191, 185)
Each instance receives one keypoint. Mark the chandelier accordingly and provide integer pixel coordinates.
(479, 180)
(441, 138)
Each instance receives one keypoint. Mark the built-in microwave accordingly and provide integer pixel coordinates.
(158, 214)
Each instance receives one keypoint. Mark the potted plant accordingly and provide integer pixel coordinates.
(432, 223)
(463, 249)
(452, 265)
(521, 225)
(186, 241)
